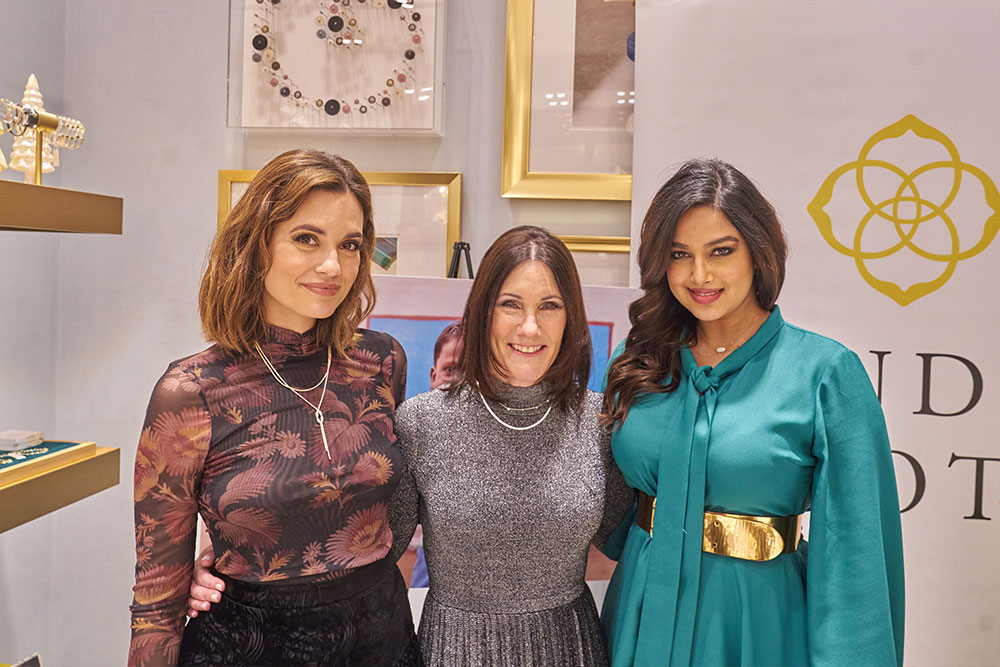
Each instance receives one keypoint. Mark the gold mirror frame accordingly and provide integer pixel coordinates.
(450, 180)
(516, 180)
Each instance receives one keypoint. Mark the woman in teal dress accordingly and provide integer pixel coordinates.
(730, 423)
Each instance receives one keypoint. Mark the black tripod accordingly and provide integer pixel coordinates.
(461, 248)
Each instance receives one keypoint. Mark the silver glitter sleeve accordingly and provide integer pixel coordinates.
(404, 507)
(618, 496)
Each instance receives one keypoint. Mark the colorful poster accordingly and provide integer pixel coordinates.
(416, 310)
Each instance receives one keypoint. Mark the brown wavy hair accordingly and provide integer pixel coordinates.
(570, 370)
(661, 326)
(231, 298)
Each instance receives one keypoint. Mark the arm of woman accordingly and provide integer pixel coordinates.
(618, 500)
(854, 576)
(168, 467)
(404, 507)
(619, 492)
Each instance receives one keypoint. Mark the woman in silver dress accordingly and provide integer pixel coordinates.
(510, 473)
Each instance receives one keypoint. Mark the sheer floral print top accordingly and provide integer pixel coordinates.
(222, 438)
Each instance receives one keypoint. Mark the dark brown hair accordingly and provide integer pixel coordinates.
(570, 371)
(231, 298)
(661, 326)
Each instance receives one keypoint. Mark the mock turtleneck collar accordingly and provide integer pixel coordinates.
(285, 342)
(523, 397)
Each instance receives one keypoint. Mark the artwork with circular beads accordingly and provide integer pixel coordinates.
(336, 64)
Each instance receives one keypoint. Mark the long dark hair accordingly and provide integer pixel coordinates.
(570, 370)
(661, 326)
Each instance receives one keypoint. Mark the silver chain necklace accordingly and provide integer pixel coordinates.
(515, 428)
(533, 407)
(317, 411)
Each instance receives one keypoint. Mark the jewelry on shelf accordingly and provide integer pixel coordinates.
(722, 349)
(317, 407)
(21, 454)
(515, 428)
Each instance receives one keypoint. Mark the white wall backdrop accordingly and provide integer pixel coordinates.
(790, 91)
(28, 286)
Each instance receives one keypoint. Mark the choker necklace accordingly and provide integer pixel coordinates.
(722, 349)
(515, 428)
(317, 412)
(533, 407)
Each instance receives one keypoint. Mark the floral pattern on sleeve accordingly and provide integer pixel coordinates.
(172, 447)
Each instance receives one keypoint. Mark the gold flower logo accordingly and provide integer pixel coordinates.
(917, 207)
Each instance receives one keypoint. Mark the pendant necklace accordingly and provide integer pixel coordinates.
(722, 349)
(317, 411)
(515, 428)
(533, 407)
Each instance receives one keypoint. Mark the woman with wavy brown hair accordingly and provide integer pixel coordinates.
(280, 436)
(731, 423)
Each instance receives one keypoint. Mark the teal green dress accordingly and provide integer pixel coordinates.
(785, 424)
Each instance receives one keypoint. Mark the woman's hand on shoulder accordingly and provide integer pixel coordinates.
(206, 588)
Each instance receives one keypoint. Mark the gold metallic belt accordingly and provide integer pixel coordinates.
(736, 535)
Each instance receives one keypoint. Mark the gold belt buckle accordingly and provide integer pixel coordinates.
(646, 512)
(750, 537)
(735, 535)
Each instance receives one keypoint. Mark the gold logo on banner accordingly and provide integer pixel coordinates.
(892, 196)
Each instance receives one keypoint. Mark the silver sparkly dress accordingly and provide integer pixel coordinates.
(508, 516)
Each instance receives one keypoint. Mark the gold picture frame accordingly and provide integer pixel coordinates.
(449, 181)
(516, 180)
(616, 244)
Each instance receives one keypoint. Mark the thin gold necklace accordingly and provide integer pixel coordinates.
(722, 349)
(317, 411)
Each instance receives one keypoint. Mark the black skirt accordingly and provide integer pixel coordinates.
(360, 619)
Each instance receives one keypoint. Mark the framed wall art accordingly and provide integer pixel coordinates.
(569, 99)
(361, 65)
(417, 217)
(600, 260)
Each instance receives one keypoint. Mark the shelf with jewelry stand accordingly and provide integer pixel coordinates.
(36, 207)
(48, 475)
